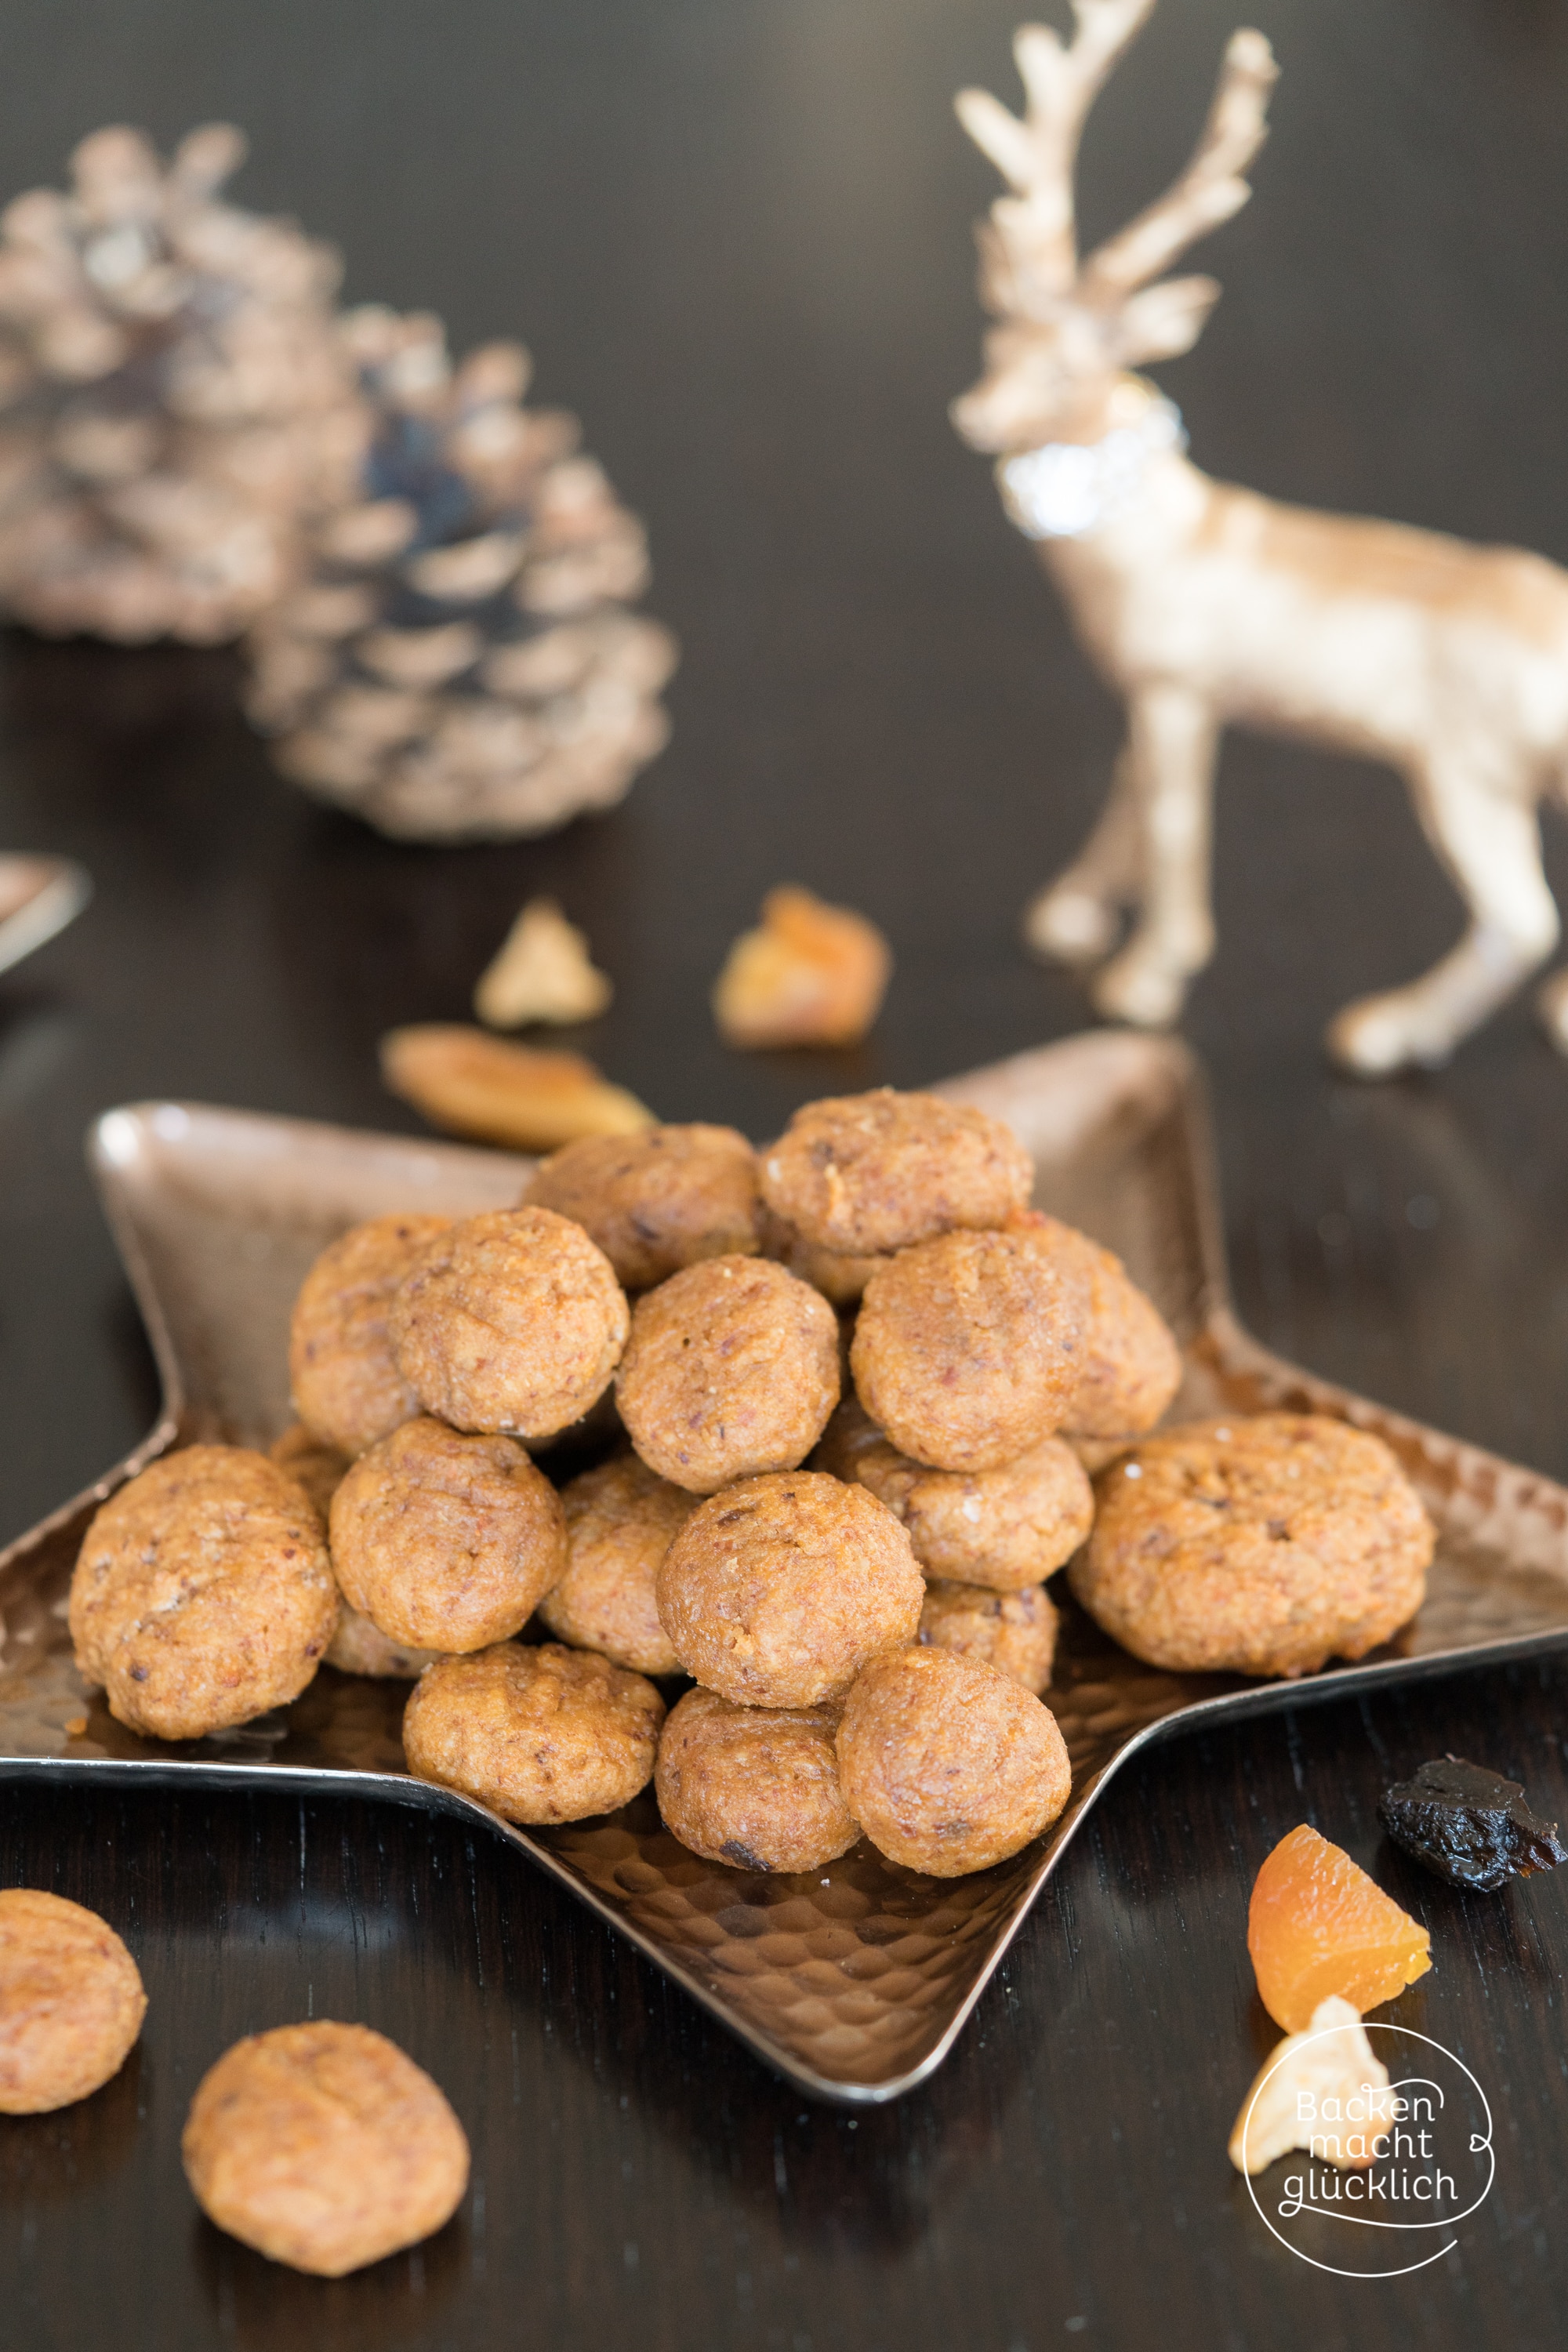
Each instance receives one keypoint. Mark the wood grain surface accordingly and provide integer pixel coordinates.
(736, 234)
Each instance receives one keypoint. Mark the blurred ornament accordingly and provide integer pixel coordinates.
(542, 971)
(811, 974)
(461, 662)
(475, 1084)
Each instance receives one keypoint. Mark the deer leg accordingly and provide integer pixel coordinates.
(1170, 765)
(1075, 919)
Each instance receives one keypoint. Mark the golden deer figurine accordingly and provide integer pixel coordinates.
(1202, 604)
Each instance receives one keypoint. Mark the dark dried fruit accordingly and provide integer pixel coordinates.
(1468, 1825)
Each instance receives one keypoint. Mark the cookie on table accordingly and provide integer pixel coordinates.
(968, 1350)
(323, 2146)
(947, 1765)
(512, 1323)
(446, 1541)
(71, 2002)
(860, 1173)
(203, 1595)
(536, 1735)
(1259, 1546)
(778, 1591)
(620, 1521)
(731, 1370)
(1131, 1365)
(840, 1277)
(755, 1787)
(1013, 1632)
(342, 1373)
(658, 1201)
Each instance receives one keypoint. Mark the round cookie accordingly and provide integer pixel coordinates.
(859, 1173)
(967, 1349)
(755, 1787)
(1013, 1632)
(777, 1591)
(620, 1520)
(203, 1595)
(1131, 1365)
(655, 1201)
(320, 1469)
(946, 1764)
(342, 1373)
(360, 1647)
(445, 1541)
(323, 2146)
(536, 1735)
(840, 1278)
(731, 1370)
(512, 1323)
(71, 2001)
(1254, 1547)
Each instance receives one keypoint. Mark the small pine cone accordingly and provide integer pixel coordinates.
(459, 663)
(172, 396)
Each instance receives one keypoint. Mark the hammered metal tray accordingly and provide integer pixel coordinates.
(856, 1982)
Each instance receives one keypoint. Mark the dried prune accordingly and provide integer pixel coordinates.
(1468, 1825)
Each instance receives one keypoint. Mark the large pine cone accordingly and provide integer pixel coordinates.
(171, 392)
(461, 664)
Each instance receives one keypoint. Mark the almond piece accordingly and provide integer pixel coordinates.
(1322, 2091)
(542, 972)
(474, 1085)
(812, 975)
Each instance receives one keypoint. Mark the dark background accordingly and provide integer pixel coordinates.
(735, 234)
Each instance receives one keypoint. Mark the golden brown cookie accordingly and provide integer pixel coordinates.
(320, 1469)
(342, 1374)
(656, 1202)
(1013, 1632)
(323, 2146)
(946, 1764)
(359, 1648)
(756, 1787)
(1257, 1547)
(1131, 1365)
(777, 1590)
(859, 1173)
(536, 1735)
(71, 2002)
(731, 1368)
(203, 1595)
(446, 1541)
(512, 1323)
(840, 1278)
(967, 1349)
(619, 1521)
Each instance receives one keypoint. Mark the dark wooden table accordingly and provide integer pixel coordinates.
(735, 232)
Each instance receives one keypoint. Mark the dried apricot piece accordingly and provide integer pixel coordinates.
(1317, 1925)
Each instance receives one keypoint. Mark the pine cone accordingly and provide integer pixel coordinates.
(461, 664)
(172, 394)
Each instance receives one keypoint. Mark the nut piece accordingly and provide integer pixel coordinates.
(620, 1520)
(472, 1084)
(536, 1735)
(323, 2146)
(71, 2002)
(542, 971)
(858, 1173)
(813, 975)
(342, 1374)
(947, 1765)
(443, 1541)
(656, 1202)
(1322, 2091)
(755, 1787)
(1131, 1365)
(1013, 1632)
(731, 1368)
(511, 1322)
(778, 1591)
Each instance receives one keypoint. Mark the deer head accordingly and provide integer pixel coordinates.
(1069, 329)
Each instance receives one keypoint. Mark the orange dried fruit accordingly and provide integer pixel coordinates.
(811, 974)
(1319, 1926)
(475, 1084)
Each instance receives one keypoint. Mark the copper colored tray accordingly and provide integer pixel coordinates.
(854, 1981)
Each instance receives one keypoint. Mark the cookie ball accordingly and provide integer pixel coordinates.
(620, 1520)
(536, 1735)
(71, 2002)
(655, 1201)
(203, 1595)
(1013, 1632)
(342, 1373)
(512, 1323)
(320, 1469)
(323, 2146)
(841, 1278)
(866, 1173)
(360, 1647)
(946, 1764)
(967, 1349)
(446, 1541)
(1260, 1547)
(756, 1787)
(1131, 1365)
(777, 1591)
(731, 1368)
